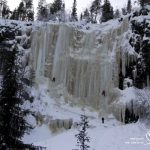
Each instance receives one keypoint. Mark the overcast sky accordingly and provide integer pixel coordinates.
(81, 4)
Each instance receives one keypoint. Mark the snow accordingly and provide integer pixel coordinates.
(112, 135)
(127, 95)
(85, 61)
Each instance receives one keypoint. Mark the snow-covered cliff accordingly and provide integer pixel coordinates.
(84, 60)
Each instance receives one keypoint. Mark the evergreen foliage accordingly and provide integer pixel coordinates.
(81, 16)
(29, 10)
(144, 2)
(129, 6)
(56, 6)
(74, 12)
(117, 14)
(57, 11)
(13, 124)
(82, 137)
(5, 11)
(42, 11)
(107, 11)
(86, 15)
(21, 11)
(95, 10)
(124, 11)
(15, 15)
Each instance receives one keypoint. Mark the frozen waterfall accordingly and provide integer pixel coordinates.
(81, 61)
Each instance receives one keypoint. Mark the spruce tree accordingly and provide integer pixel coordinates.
(129, 6)
(81, 17)
(82, 138)
(15, 15)
(21, 11)
(5, 11)
(124, 11)
(86, 15)
(143, 2)
(117, 13)
(13, 124)
(95, 10)
(62, 13)
(74, 12)
(107, 11)
(42, 11)
(57, 5)
(29, 10)
(57, 11)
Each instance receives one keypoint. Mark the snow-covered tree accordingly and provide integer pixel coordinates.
(81, 16)
(21, 11)
(107, 11)
(117, 13)
(4, 9)
(29, 10)
(82, 138)
(86, 15)
(13, 124)
(129, 6)
(124, 11)
(95, 10)
(15, 15)
(42, 11)
(56, 6)
(144, 2)
(74, 12)
(57, 11)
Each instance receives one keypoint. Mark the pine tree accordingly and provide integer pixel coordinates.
(62, 13)
(74, 12)
(117, 13)
(29, 10)
(81, 17)
(57, 5)
(21, 11)
(15, 15)
(5, 11)
(86, 15)
(42, 11)
(95, 10)
(82, 137)
(124, 11)
(129, 6)
(143, 2)
(107, 11)
(12, 117)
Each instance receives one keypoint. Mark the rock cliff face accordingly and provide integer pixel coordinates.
(85, 63)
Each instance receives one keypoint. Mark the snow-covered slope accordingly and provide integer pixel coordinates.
(112, 135)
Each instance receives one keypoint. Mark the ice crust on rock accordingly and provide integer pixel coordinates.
(85, 63)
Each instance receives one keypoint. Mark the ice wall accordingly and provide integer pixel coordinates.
(84, 62)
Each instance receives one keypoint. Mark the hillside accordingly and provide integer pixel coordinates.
(99, 70)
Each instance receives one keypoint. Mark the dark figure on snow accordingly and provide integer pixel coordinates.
(102, 119)
(103, 93)
(53, 79)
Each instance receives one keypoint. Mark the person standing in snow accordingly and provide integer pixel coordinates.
(102, 119)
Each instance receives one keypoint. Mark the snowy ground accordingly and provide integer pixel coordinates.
(112, 135)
